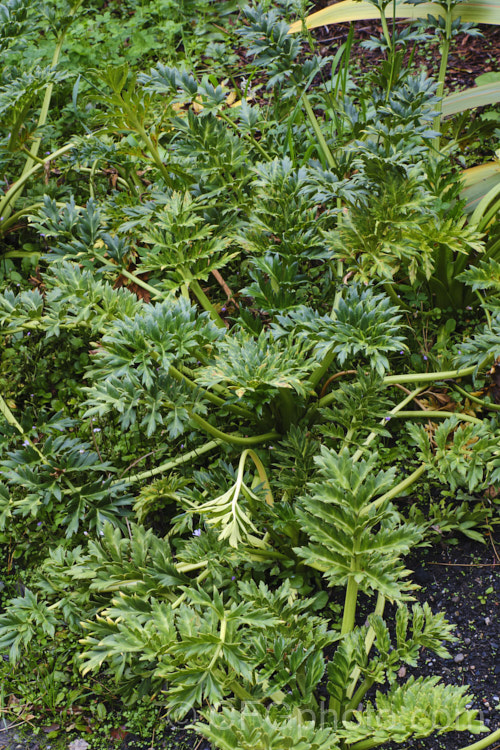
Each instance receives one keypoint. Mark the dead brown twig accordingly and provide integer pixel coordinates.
(407, 391)
(227, 290)
(137, 461)
(495, 552)
(334, 377)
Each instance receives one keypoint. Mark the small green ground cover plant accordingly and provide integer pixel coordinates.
(242, 316)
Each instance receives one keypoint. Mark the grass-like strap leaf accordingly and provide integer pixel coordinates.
(475, 11)
(478, 96)
(478, 181)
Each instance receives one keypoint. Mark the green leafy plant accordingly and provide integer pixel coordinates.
(215, 282)
(20, 90)
(448, 252)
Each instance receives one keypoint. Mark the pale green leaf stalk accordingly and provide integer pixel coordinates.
(445, 52)
(485, 742)
(16, 189)
(33, 162)
(225, 511)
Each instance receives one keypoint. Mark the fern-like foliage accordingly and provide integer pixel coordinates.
(137, 404)
(25, 617)
(204, 144)
(19, 92)
(415, 629)
(14, 22)
(252, 729)
(290, 657)
(294, 614)
(24, 309)
(267, 39)
(204, 649)
(283, 221)
(74, 232)
(349, 654)
(140, 564)
(351, 534)
(154, 496)
(463, 454)
(483, 348)
(213, 153)
(150, 626)
(416, 709)
(132, 372)
(155, 338)
(257, 367)
(181, 243)
(486, 275)
(447, 515)
(365, 327)
(227, 512)
(367, 324)
(294, 461)
(74, 299)
(145, 635)
(276, 285)
(385, 230)
(397, 224)
(356, 409)
(69, 486)
(137, 563)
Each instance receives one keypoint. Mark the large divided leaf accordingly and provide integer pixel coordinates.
(486, 275)
(460, 454)
(227, 511)
(258, 368)
(67, 485)
(351, 534)
(24, 617)
(366, 327)
(14, 22)
(251, 729)
(417, 709)
(483, 348)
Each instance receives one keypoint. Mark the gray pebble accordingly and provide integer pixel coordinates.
(458, 658)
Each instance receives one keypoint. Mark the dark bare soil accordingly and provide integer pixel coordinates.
(470, 56)
(464, 582)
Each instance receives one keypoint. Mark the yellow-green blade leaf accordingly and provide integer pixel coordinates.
(478, 96)
(485, 203)
(478, 181)
(475, 11)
